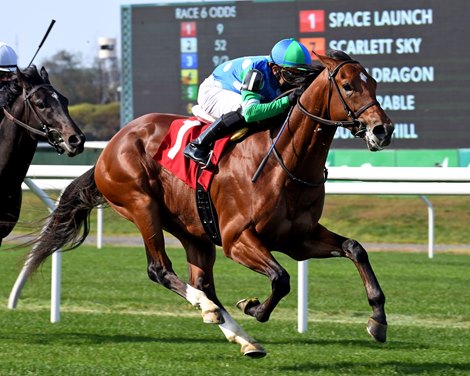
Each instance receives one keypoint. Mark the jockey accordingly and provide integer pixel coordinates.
(245, 89)
(8, 62)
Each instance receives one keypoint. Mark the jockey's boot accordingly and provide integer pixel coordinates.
(200, 149)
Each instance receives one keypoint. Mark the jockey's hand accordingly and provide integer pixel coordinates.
(294, 95)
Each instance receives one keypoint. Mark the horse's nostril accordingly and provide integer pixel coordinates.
(379, 131)
(383, 130)
(383, 134)
(75, 140)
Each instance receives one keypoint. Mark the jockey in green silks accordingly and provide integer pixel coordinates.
(244, 90)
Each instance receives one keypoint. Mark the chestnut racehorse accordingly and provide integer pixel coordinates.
(33, 111)
(280, 211)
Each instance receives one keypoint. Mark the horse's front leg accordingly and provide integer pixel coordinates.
(322, 244)
(377, 325)
(10, 204)
(249, 251)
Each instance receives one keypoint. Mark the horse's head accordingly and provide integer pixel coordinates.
(353, 103)
(47, 110)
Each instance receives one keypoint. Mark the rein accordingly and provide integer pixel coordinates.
(273, 149)
(295, 178)
(24, 125)
(354, 122)
(45, 132)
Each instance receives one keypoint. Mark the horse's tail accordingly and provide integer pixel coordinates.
(68, 225)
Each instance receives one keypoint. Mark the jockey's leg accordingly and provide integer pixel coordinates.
(200, 148)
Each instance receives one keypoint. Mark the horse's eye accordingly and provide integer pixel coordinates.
(347, 87)
(40, 105)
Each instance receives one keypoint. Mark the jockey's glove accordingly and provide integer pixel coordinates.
(294, 94)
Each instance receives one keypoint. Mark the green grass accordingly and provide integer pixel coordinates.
(114, 321)
(377, 219)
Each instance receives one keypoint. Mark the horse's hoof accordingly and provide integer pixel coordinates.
(253, 350)
(377, 330)
(212, 317)
(245, 304)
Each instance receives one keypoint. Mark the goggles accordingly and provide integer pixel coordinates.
(292, 75)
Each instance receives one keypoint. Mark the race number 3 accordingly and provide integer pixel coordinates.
(312, 21)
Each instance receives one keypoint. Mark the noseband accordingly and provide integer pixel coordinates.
(52, 136)
(354, 123)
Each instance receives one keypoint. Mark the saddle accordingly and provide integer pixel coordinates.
(202, 115)
(170, 156)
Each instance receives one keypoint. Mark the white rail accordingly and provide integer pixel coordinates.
(401, 174)
(421, 181)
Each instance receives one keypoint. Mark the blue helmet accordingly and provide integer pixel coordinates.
(290, 53)
(8, 58)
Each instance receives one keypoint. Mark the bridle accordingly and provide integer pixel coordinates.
(358, 129)
(53, 137)
(354, 123)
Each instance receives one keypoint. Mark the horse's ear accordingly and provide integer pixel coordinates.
(22, 80)
(44, 75)
(326, 61)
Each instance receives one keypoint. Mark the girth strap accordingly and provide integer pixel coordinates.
(207, 213)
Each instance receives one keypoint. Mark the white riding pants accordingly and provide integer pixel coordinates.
(215, 100)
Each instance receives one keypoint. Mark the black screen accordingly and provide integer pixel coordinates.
(418, 51)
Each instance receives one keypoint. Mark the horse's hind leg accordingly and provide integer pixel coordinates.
(143, 211)
(324, 243)
(201, 259)
(161, 271)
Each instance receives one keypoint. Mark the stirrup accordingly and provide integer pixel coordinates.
(190, 152)
(204, 164)
(208, 163)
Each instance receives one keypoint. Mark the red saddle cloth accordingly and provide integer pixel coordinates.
(170, 153)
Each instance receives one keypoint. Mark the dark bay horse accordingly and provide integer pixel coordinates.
(33, 111)
(279, 212)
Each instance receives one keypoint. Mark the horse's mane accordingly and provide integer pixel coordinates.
(338, 55)
(11, 90)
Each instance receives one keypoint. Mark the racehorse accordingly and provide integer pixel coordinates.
(34, 111)
(280, 211)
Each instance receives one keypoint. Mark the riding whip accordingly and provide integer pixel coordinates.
(42, 42)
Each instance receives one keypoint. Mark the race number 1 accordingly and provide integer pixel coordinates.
(312, 21)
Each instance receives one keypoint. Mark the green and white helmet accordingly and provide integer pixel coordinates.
(8, 58)
(290, 53)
